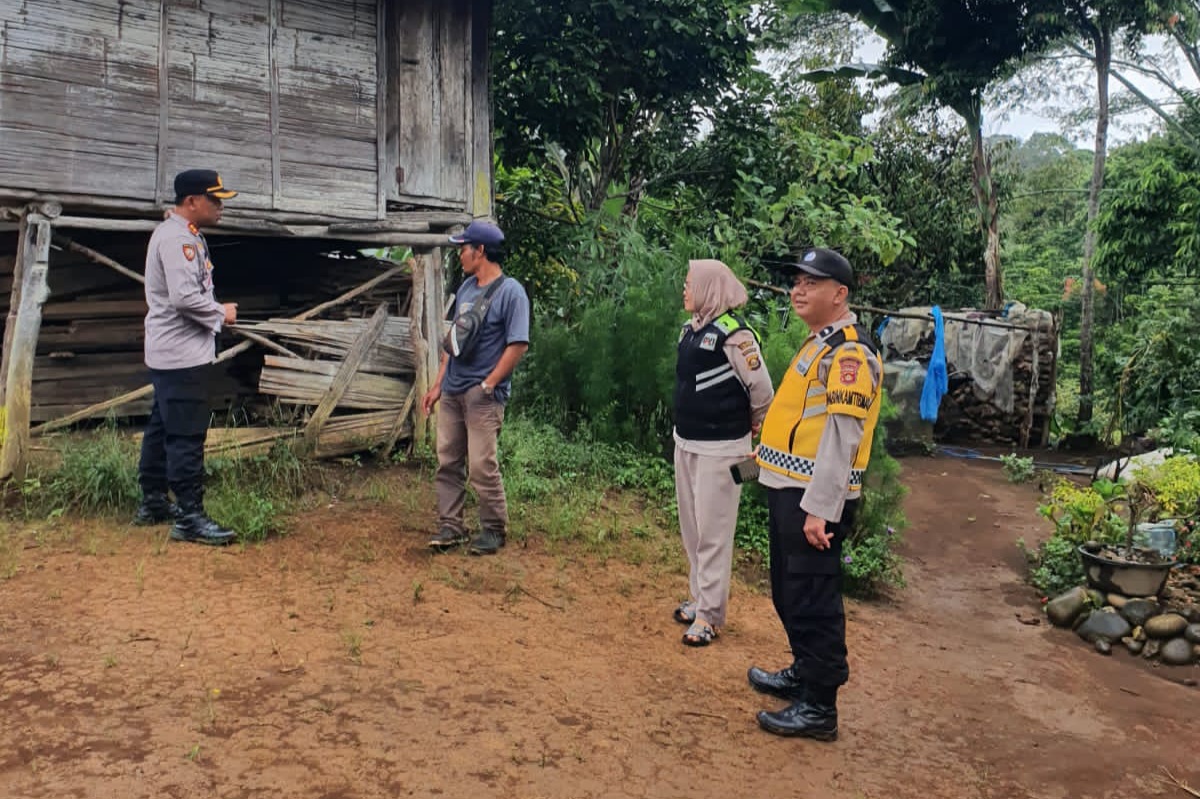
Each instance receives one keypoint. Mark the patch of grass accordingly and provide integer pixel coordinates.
(353, 641)
(95, 475)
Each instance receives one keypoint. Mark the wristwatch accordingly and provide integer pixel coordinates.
(486, 388)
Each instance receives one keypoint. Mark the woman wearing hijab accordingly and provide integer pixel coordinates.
(722, 391)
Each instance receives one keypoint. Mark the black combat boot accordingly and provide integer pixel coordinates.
(194, 525)
(488, 542)
(156, 508)
(814, 717)
(785, 683)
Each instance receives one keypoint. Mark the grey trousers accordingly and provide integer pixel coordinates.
(708, 508)
(468, 427)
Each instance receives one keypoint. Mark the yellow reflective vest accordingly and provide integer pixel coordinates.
(794, 425)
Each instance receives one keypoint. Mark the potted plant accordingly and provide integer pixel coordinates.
(1127, 568)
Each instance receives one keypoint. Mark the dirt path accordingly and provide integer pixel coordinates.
(345, 661)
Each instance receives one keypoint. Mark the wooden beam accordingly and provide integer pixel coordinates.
(18, 378)
(366, 232)
(262, 340)
(406, 411)
(346, 371)
(100, 258)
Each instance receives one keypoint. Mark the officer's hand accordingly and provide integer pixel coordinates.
(230, 312)
(430, 399)
(814, 531)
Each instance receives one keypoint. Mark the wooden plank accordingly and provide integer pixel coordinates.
(345, 373)
(164, 183)
(381, 81)
(480, 131)
(18, 376)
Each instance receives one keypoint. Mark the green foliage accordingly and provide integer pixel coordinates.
(252, 495)
(1187, 541)
(1016, 468)
(95, 476)
(1086, 513)
(1175, 484)
(1149, 228)
(1056, 566)
(1150, 363)
(604, 360)
(615, 85)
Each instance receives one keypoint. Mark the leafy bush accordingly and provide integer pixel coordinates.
(1086, 513)
(1056, 566)
(1016, 468)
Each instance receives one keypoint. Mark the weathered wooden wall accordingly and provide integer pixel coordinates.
(285, 97)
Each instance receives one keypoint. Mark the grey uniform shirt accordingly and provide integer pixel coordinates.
(183, 317)
(825, 496)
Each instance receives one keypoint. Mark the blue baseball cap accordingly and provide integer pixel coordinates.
(479, 233)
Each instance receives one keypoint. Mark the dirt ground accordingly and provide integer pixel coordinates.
(346, 661)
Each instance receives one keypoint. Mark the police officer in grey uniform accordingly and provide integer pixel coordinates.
(182, 324)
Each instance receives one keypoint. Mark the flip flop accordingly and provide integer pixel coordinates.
(685, 613)
(699, 634)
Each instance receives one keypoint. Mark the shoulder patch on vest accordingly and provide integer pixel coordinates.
(709, 342)
(728, 323)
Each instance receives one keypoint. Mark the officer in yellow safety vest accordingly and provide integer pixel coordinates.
(816, 442)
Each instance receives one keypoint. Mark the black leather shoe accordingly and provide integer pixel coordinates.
(487, 542)
(448, 539)
(802, 720)
(783, 683)
(197, 528)
(156, 509)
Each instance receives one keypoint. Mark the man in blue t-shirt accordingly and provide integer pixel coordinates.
(473, 390)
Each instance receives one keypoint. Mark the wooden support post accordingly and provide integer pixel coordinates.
(33, 260)
(405, 412)
(428, 289)
(345, 373)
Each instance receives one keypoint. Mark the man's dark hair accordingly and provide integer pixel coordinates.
(493, 252)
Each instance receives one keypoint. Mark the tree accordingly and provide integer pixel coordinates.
(954, 51)
(614, 84)
(1098, 23)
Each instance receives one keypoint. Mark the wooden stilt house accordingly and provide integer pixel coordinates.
(345, 126)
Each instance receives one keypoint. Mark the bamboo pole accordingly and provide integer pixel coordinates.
(903, 315)
(34, 258)
(99, 258)
(232, 352)
(346, 371)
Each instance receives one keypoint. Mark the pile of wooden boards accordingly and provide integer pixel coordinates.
(346, 366)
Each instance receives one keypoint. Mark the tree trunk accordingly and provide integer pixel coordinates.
(989, 211)
(1103, 42)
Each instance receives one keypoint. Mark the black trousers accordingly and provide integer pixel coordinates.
(173, 444)
(806, 586)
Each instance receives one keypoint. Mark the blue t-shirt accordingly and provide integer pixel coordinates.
(507, 322)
